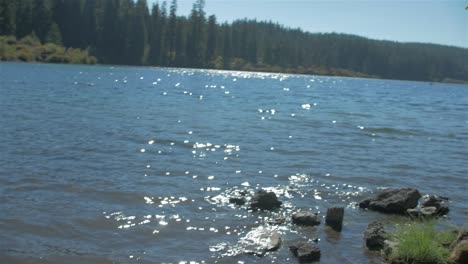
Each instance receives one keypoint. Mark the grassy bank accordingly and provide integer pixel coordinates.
(421, 242)
(30, 49)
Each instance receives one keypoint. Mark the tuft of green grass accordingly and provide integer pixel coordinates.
(420, 243)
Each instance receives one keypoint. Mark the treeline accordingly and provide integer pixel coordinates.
(129, 32)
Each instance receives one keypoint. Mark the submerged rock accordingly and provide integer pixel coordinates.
(334, 218)
(395, 201)
(261, 240)
(237, 200)
(265, 200)
(375, 236)
(306, 252)
(306, 219)
(276, 221)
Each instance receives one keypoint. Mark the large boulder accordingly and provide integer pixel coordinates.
(265, 200)
(334, 218)
(394, 201)
(306, 219)
(261, 240)
(306, 252)
(375, 236)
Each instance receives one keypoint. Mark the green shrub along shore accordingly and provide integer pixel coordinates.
(30, 49)
(422, 243)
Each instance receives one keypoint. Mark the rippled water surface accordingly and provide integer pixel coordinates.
(104, 164)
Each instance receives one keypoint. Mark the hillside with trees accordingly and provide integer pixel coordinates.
(132, 33)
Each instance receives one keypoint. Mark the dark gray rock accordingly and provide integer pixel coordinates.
(237, 200)
(431, 206)
(259, 241)
(265, 200)
(306, 252)
(334, 218)
(395, 201)
(435, 201)
(306, 219)
(375, 236)
(365, 203)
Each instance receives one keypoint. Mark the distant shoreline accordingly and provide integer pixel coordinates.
(331, 73)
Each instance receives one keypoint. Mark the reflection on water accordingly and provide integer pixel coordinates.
(136, 165)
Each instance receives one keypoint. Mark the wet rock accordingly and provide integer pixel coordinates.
(305, 252)
(414, 212)
(425, 212)
(461, 235)
(260, 241)
(395, 201)
(389, 247)
(265, 200)
(430, 207)
(435, 201)
(443, 209)
(375, 236)
(306, 219)
(334, 218)
(459, 254)
(276, 221)
(237, 200)
(365, 203)
(429, 211)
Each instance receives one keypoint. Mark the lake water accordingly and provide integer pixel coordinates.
(104, 164)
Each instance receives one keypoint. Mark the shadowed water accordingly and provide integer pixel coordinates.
(105, 164)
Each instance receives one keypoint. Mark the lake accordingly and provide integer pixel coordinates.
(103, 164)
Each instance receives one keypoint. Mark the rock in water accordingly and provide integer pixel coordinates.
(334, 218)
(305, 219)
(395, 201)
(437, 202)
(305, 252)
(261, 240)
(237, 200)
(375, 236)
(265, 200)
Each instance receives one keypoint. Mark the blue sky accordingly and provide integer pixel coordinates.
(434, 21)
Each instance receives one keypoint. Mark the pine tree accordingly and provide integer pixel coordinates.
(7, 17)
(211, 40)
(41, 19)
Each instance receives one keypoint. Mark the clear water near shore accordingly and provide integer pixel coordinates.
(134, 165)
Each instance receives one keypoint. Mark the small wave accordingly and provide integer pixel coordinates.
(392, 131)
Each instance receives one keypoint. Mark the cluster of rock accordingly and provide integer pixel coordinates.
(431, 206)
(403, 201)
(262, 240)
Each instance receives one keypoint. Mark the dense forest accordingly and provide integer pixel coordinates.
(130, 32)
